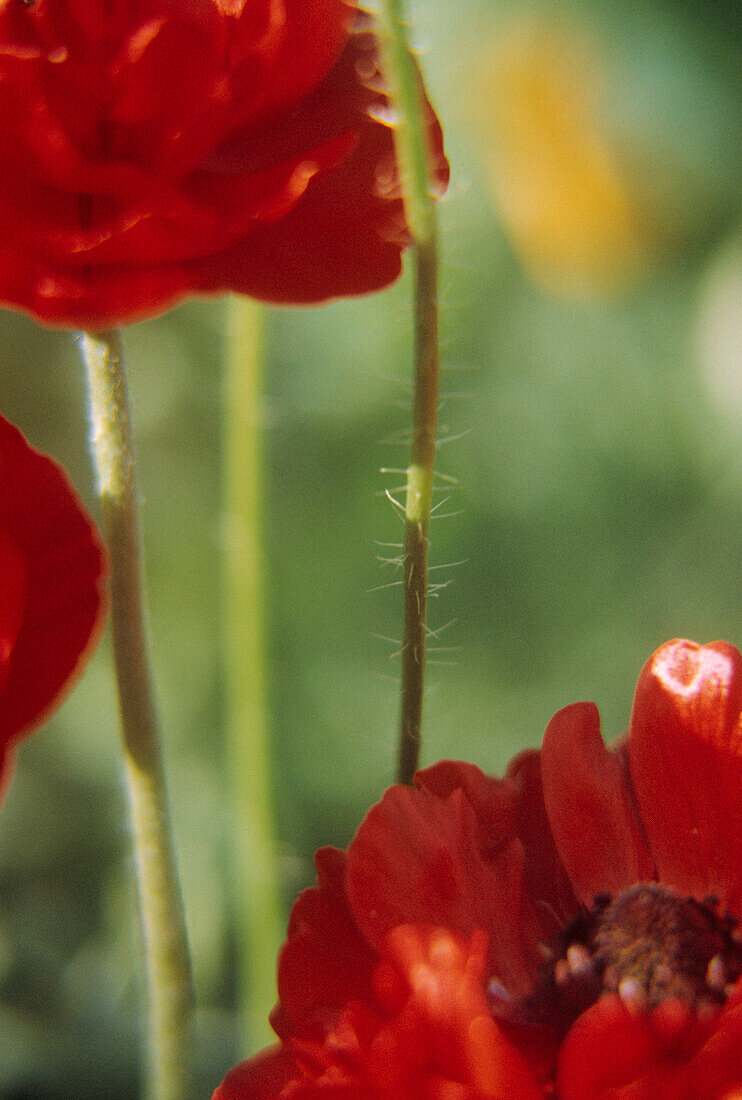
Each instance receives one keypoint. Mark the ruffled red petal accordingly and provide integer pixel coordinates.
(685, 755)
(428, 1033)
(227, 63)
(261, 170)
(513, 809)
(347, 234)
(443, 1032)
(281, 52)
(325, 961)
(425, 1030)
(424, 859)
(59, 587)
(13, 592)
(590, 806)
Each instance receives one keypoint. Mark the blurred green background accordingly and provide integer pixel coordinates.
(592, 415)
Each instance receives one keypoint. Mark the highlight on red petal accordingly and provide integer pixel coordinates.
(442, 999)
(685, 755)
(233, 149)
(51, 585)
(425, 1031)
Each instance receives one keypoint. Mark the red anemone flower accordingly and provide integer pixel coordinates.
(568, 931)
(151, 149)
(52, 574)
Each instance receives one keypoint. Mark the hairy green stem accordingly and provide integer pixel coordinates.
(420, 475)
(166, 957)
(410, 138)
(259, 912)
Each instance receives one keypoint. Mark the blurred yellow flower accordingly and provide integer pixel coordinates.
(566, 205)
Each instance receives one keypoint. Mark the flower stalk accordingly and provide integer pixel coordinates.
(165, 945)
(411, 145)
(258, 909)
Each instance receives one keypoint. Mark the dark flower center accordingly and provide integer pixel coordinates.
(648, 944)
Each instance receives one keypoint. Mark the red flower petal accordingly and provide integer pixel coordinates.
(685, 754)
(292, 47)
(346, 235)
(443, 1028)
(13, 592)
(52, 584)
(325, 961)
(612, 1055)
(260, 1078)
(589, 806)
(427, 1033)
(399, 961)
(420, 859)
(513, 809)
(175, 148)
(546, 878)
(605, 1049)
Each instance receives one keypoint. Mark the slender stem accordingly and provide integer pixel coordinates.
(410, 136)
(420, 475)
(259, 912)
(166, 958)
(410, 130)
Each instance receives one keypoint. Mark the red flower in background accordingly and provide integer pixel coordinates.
(151, 149)
(52, 573)
(568, 931)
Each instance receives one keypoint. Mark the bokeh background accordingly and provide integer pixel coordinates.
(592, 419)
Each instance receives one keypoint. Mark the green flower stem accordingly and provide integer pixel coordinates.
(166, 957)
(259, 912)
(410, 138)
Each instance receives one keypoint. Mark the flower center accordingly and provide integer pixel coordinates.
(648, 944)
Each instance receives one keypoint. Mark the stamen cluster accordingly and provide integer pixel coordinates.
(648, 944)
